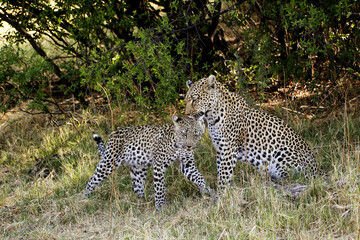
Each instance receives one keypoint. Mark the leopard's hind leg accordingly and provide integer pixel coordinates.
(138, 177)
(109, 157)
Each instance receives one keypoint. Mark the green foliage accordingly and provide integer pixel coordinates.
(304, 41)
(21, 73)
(150, 78)
(142, 52)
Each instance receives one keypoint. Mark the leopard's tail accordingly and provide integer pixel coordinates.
(101, 145)
(98, 176)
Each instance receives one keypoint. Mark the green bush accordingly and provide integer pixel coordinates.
(143, 71)
(142, 52)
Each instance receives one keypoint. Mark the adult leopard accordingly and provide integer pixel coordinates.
(239, 132)
(151, 145)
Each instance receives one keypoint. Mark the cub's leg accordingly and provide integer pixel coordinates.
(103, 169)
(105, 166)
(138, 177)
(190, 171)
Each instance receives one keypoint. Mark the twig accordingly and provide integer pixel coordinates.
(9, 211)
(18, 171)
(195, 25)
(56, 103)
(47, 92)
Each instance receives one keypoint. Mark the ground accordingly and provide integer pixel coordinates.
(50, 206)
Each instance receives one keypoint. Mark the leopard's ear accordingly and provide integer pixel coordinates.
(210, 84)
(189, 83)
(211, 79)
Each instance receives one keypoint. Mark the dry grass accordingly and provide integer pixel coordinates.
(52, 207)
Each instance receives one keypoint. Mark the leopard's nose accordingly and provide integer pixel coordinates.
(188, 147)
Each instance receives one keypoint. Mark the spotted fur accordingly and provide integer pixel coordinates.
(152, 145)
(239, 132)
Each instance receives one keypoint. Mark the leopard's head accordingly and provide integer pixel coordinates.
(202, 96)
(188, 132)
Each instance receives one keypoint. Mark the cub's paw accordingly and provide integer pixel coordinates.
(212, 193)
(86, 194)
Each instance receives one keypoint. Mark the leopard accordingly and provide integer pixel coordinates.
(145, 146)
(240, 132)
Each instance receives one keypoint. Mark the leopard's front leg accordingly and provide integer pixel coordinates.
(226, 164)
(159, 184)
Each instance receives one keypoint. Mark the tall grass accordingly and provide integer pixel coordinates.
(52, 207)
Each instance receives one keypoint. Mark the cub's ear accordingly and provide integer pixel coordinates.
(200, 118)
(175, 121)
(210, 85)
(175, 118)
(201, 121)
(189, 83)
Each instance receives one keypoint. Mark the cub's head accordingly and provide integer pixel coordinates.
(201, 96)
(188, 132)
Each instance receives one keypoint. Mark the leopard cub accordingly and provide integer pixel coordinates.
(151, 145)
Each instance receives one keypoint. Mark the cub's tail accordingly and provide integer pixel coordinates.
(97, 139)
(101, 145)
